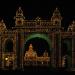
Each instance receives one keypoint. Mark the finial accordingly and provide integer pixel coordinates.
(20, 8)
(30, 45)
(56, 13)
(30, 48)
(56, 8)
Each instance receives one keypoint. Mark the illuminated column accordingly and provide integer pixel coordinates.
(22, 50)
(17, 49)
(53, 55)
(57, 46)
(73, 50)
(14, 55)
(59, 61)
(55, 50)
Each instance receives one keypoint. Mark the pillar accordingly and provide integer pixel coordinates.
(22, 50)
(60, 60)
(53, 55)
(73, 50)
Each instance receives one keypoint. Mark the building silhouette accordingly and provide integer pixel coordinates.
(61, 42)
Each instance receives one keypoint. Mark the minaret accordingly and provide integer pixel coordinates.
(56, 18)
(19, 18)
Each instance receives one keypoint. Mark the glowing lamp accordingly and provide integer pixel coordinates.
(6, 58)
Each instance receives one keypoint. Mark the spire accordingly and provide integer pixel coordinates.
(19, 12)
(19, 18)
(56, 14)
(56, 17)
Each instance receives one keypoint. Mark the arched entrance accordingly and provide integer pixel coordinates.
(8, 49)
(8, 55)
(67, 53)
(39, 47)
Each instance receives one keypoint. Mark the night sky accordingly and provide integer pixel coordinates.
(34, 8)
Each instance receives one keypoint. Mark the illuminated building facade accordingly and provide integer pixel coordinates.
(61, 42)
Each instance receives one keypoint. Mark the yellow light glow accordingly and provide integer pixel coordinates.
(6, 58)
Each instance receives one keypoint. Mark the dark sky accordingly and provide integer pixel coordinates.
(34, 8)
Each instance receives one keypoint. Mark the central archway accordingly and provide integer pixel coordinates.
(40, 43)
(39, 36)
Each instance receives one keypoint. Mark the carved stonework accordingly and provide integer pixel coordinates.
(31, 55)
(54, 36)
(2, 26)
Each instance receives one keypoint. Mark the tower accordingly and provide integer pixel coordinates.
(19, 18)
(56, 18)
(2, 25)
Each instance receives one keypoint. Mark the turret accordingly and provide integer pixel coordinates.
(19, 18)
(56, 18)
(2, 25)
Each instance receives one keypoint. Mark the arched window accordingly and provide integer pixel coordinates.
(9, 45)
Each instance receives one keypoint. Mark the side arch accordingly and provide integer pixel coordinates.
(68, 43)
